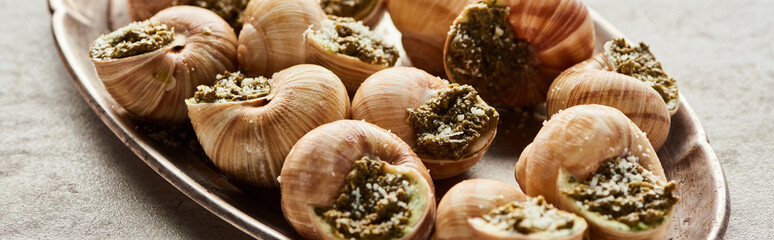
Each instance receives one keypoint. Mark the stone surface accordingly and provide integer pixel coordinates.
(64, 174)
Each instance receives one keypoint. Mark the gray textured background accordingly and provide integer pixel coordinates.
(64, 174)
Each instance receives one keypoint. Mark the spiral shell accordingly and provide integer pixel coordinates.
(272, 37)
(423, 25)
(589, 83)
(229, 10)
(153, 85)
(383, 99)
(477, 197)
(317, 166)
(249, 140)
(574, 143)
(557, 33)
(371, 15)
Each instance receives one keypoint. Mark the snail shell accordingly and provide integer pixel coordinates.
(371, 15)
(229, 10)
(272, 37)
(575, 142)
(589, 83)
(383, 99)
(477, 197)
(423, 25)
(249, 140)
(153, 85)
(317, 166)
(557, 33)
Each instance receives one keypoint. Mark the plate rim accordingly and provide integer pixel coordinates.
(251, 226)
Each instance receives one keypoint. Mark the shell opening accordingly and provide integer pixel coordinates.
(134, 39)
(229, 10)
(357, 9)
(483, 51)
(532, 217)
(622, 190)
(639, 62)
(374, 203)
(344, 35)
(231, 87)
(448, 124)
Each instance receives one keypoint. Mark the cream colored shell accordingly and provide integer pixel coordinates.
(574, 142)
(316, 167)
(153, 85)
(383, 100)
(590, 82)
(423, 25)
(477, 197)
(249, 140)
(272, 37)
(559, 33)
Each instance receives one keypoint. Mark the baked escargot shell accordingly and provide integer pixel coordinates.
(423, 25)
(448, 125)
(574, 148)
(229, 10)
(150, 67)
(467, 210)
(272, 37)
(511, 50)
(349, 49)
(370, 12)
(247, 135)
(602, 80)
(363, 179)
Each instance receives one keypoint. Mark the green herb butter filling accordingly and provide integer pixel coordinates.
(231, 87)
(530, 217)
(623, 191)
(229, 10)
(372, 204)
(134, 39)
(639, 63)
(343, 35)
(485, 53)
(448, 124)
(348, 8)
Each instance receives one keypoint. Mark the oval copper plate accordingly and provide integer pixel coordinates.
(687, 156)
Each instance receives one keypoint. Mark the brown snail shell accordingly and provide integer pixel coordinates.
(272, 37)
(249, 140)
(590, 83)
(383, 99)
(318, 164)
(144, 9)
(477, 197)
(575, 142)
(423, 25)
(370, 16)
(153, 85)
(559, 34)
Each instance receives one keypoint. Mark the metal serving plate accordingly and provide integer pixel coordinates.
(686, 156)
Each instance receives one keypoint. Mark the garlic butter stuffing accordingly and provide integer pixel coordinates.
(639, 62)
(451, 121)
(533, 216)
(348, 8)
(131, 40)
(231, 87)
(624, 191)
(372, 204)
(344, 35)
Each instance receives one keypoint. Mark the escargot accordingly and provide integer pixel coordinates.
(490, 209)
(247, 126)
(511, 50)
(353, 180)
(593, 161)
(150, 67)
(370, 12)
(349, 49)
(615, 78)
(229, 10)
(449, 126)
(423, 25)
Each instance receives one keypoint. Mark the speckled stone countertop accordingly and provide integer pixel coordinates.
(63, 174)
